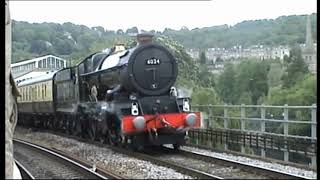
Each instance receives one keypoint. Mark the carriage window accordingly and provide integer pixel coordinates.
(38, 92)
(45, 90)
(52, 62)
(42, 91)
(32, 93)
(35, 93)
(28, 93)
(45, 63)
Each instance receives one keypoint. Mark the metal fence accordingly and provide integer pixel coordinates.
(298, 122)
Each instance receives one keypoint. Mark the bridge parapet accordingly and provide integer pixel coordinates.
(288, 123)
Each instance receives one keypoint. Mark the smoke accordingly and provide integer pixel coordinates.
(184, 92)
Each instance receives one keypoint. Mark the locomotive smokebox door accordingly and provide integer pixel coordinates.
(152, 69)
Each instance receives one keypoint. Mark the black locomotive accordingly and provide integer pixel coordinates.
(118, 95)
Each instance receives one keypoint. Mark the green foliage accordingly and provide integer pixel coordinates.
(296, 68)
(303, 93)
(206, 78)
(204, 96)
(203, 58)
(281, 31)
(37, 39)
(188, 69)
(245, 98)
(132, 30)
(247, 85)
(226, 84)
(275, 74)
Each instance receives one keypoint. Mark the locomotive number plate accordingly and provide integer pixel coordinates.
(153, 61)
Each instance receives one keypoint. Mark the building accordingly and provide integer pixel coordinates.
(44, 63)
(257, 52)
(280, 52)
(309, 50)
(194, 53)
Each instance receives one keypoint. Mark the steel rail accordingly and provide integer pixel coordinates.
(271, 173)
(184, 170)
(190, 171)
(25, 174)
(79, 165)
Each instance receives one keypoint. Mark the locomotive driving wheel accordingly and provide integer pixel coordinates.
(113, 133)
(92, 130)
(73, 125)
(113, 137)
(77, 129)
(67, 126)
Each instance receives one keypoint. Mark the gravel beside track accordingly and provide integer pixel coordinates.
(123, 165)
(137, 168)
(44, 164)
(308, 174)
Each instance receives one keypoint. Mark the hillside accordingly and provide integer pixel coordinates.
(281, 31)
(76, 41)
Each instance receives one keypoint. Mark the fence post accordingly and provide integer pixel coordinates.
(210, 119)
(285, 130)
(314, 121)
(314, 132)
(263, 126)
(242, 123)
(225, 117)
(225, 123)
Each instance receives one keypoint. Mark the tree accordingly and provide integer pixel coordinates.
(132, 30)
(304, 92)
(98, 28)
(274, 75)
(204, 96)
(296, 69)
(202, 58)
(38, 46)
(63, 46)
(226, 84)
(206, 78)
(120, 32)
(259, 81)
(251, 78)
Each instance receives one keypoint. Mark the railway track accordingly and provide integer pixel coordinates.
(44, 163)
(195, 173)
(143, 156)
(224, 168)
(25, 174)
(196, 165)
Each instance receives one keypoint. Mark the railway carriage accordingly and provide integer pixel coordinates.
(36, 101)
(123, 96)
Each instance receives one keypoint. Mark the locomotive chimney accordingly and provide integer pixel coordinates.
(144, 38)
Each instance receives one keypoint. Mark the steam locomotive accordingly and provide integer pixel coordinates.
(121, 96)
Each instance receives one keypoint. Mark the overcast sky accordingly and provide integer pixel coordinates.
(157, 15)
